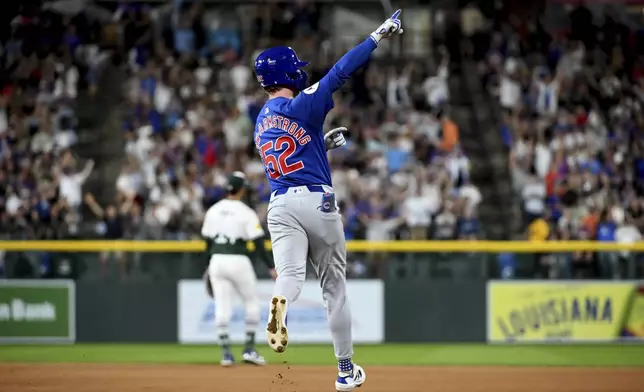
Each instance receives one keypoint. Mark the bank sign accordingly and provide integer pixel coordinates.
(37, 311)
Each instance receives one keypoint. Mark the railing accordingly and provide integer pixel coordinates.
(352, 246)
(162, 260)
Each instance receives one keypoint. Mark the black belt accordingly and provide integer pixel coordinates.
(311, 188)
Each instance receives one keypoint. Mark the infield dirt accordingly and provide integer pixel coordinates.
(285, 378)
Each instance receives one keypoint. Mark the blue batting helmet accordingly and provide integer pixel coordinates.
(280, 66)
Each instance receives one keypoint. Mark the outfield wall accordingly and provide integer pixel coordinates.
(181, 312)
(126, 312)
(423, 310)
(435, 310)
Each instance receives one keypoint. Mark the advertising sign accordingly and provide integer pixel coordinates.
(568, 311)
(37, 311)
(307, 320)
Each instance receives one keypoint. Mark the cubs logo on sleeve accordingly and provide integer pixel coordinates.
(312, 89)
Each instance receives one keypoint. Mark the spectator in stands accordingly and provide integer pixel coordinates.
(534, 194)
(398, 88)
(437, 89)
(546, 92)
(445, 224)
(585, 264)
(470, 195)
(66, 84)
(468, 226)
(111, 227)
(70, 182)
(450, 138)
(608, 261)
(238, 130)
(507, 265)
(432, 189)
(381, 229)
(510, 86)
(539, 231)
(628, 233)
(417, 214)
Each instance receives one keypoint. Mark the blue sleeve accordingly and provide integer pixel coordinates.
(316, 101)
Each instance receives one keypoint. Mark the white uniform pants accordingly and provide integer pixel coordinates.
(230, 274)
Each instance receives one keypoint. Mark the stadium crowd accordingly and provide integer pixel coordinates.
(570, 106)
(571, 113)
(47, 57)
(193, 102)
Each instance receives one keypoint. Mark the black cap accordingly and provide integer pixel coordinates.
(236, 182)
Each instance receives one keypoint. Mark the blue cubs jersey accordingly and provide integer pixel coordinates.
(289, 132)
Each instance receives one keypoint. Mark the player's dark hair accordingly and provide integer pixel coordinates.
(276, 88)
(273, 89)
(236, 193)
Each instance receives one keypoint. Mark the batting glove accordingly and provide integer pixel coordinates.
(391, 26)
(334, 138)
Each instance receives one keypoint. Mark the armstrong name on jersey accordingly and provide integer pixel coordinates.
(286, 125)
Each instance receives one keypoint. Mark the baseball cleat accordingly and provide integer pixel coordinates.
(253, 358)
(348, 381)
(276, 332)
(227, 360)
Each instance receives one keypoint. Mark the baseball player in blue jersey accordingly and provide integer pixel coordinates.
(303, 217)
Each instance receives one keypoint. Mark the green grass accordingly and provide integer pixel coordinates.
(388, 354)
